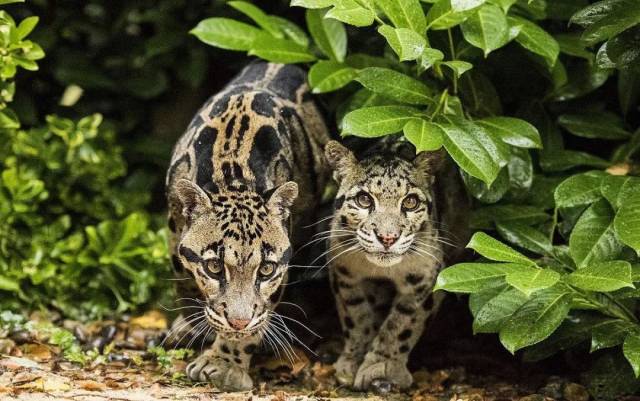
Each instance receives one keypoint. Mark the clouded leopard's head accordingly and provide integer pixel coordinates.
(384, 206)
(236, 245)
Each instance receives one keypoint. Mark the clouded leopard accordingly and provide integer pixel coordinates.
(392, 231)
(249, 152)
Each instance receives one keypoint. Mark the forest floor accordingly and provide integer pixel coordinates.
(121, 361)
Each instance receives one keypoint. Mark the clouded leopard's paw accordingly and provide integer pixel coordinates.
(224, 375)
(392, 371)
(346, 368)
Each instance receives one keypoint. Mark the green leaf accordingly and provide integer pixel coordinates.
(404, 14)
(493, 249)
(350, 12)
(395, 85)
(370, 122)
(226, 33)
(594, 125)
(609, 334)
(602, 277)
(593, 238)
(328, 76)
(605, 19)
(445, 14)
(473, 277)
(492, 315)
(537, 319)
(424, 135)
(328, 34)
(520, 170)
(3, 2)
(628, 90)
(26, 26)
(487, 193)
(487, 29)
(279, 50)
(505, 5)
(407, 44)
(430, 57)
(579, 190)
(472, 148)
(617, 189)
(570, 44)
(312, 3)
(536, 40)
(291, 30)
(525, 237)
(258, 16)
(9, 284)
(458, 67)
(631, 350)
(513, 131)
(627, 223)
(532, 280)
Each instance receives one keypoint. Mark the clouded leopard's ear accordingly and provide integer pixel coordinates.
(341, 159)
(193, 199)
(428, 163)
(282, 198)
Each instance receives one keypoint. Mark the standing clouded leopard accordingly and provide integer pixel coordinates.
(234, 175)
(386, 251)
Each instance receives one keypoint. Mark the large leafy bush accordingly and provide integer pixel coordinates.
(536, 101)
(73, 233)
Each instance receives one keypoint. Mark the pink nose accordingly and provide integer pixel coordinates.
(239, 324)
(387, 239)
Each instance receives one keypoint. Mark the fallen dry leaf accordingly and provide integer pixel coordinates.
(619, 169)
(56, 383)
(90, 385)
(151, 320)
(37, 352)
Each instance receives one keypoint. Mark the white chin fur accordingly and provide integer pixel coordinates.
(383, 260)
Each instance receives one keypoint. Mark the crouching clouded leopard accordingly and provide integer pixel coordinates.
(248, 153)
(386, 250)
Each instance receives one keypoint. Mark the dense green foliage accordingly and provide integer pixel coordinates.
(536, 101)
(73, 235)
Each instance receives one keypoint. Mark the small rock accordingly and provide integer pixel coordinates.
(108, 333)
(575, 392)
(552, 390)
(6, 346)
(380, 387)
(21, 337)
(80, 334)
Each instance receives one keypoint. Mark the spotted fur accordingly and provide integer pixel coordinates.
(386, 249)
(248, 153)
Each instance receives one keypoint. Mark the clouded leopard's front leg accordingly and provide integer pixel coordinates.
(389, 353)
(357, 321)
(225, 364)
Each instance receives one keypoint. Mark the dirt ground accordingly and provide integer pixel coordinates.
(122, 361)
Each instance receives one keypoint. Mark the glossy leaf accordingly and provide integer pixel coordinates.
(407, 44)
(351, 12)
(328, 76)
(492, 315)
(395, 85)
(404, 14)
(424, 135)
(258, 16)
(603, 277)
(537, 319)
(370, 122)
(474, 277)
(594, 125)
(445, 14)
(279, 50)
(627, 223)
(579, 190)
(525, 237)
(328, 34)
(487, 28)
(513, 131)
(312, 3)
(631, 350)
(536, 40)
(593, 238)
(532, 280)
(493, 249)
(226, 33)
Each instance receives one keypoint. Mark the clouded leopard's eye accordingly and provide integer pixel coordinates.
(364, 200)
(410, 203)
(213, 268)
(266, 270)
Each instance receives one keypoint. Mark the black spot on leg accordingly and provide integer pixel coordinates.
(250, 349)
(349, 322)
(404, 348)
(413, 279)
(236, 352)
(428, 304)
(404, 335)
(225, 349)
(405, 309)
(237, 360)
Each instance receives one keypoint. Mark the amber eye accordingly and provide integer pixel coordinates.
(364, 200)
(267, 269)
(410, 203)
(213, 267)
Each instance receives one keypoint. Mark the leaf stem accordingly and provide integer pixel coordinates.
(452, 48)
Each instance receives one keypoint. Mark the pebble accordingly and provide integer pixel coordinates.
(575, 392)
(21, 337)
(108, 333)
(381, 386)
(533, 397)
(6, 346)
(80, 334)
